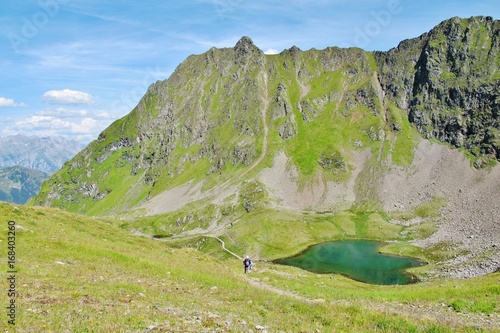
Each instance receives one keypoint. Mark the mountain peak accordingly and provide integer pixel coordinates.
(245, 46)
(226, 108)
(244, 41)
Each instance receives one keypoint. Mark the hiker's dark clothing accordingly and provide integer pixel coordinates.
(246, 263)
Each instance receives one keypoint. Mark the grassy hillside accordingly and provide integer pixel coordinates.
(81, 274)
(227, 110)
(271, 234)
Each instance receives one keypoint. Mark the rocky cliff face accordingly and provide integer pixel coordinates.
(448, 82)
(228, 111)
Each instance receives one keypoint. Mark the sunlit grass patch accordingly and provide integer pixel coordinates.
(83, 274)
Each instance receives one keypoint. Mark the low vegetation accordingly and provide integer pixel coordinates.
(82, 274)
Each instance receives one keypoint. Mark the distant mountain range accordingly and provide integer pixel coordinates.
(26, 161)
(46, 154)
(18, 184)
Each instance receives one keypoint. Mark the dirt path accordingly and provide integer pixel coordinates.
(261, 285)
(223, 246)
(438, 313)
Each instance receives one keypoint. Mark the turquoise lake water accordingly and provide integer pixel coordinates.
(356, 259)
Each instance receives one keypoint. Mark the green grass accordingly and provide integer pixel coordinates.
(329, 132)
(431, 209)
(406, 138)
(81, 274)
(336, 126)
(442, 251)
(479, 306)
(266, 233)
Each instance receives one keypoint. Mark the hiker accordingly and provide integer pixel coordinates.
(247, 263)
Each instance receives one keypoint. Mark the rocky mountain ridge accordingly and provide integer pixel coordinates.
(46, 154)
(215, 107)
(447, 80)
(234, 133)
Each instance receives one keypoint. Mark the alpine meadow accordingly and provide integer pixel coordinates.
(243, 153)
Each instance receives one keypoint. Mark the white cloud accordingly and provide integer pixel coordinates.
(62, 113)
(7, 102)
(67, 96)
(86, 125)
(83, 130)
(35, 122)
(271, 51)
(105, 115)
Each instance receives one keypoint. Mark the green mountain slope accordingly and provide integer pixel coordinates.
(219, 113)
(18, 184)
(84, 275)
(222, 112)
(273, 153)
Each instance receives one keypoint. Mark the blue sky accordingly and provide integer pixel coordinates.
(72, 67)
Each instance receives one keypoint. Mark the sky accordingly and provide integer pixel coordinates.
(71, 67)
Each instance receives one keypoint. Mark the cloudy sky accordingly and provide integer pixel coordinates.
(72, 67)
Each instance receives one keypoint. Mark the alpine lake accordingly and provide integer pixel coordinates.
(357, 259)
